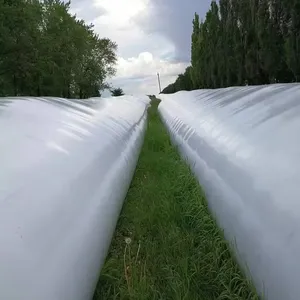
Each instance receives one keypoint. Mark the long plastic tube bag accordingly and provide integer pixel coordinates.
(243, 145)
(65, 168)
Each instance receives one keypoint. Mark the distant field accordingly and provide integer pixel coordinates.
(166, 245)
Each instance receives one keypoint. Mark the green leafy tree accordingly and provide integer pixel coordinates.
(183, 82)
(244, 42)
(195, 53)
(117, 92)
(44, 50)
(292, 39)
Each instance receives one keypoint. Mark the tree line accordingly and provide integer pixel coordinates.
(45, 50)
(243, 42)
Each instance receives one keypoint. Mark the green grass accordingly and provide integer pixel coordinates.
(167, 245)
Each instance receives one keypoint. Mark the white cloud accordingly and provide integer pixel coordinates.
(141, 53)
(121, 12)
(146, 65)
(142, 72)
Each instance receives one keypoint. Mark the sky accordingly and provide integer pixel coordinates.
(152, 36)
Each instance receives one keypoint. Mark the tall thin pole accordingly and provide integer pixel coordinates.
(159, 82)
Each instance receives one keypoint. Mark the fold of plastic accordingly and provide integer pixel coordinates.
(65, 169)
(243, 145)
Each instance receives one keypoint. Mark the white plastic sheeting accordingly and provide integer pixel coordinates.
(65, 168)
(243, 145)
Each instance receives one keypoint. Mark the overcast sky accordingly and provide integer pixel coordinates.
(152, 36)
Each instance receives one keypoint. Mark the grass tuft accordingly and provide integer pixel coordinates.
(167, 245)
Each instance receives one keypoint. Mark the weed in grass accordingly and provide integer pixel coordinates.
(167, 245)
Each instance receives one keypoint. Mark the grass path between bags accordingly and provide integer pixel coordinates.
(166, 244)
